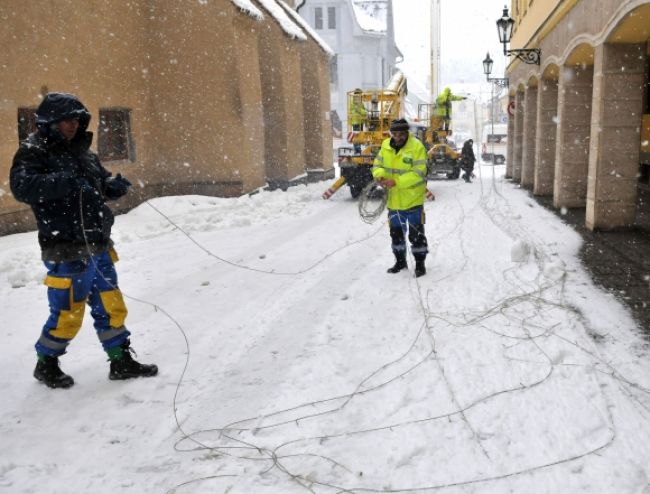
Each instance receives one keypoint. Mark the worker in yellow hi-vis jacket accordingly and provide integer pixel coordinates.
(401, 167)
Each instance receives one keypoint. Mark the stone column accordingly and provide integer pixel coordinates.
(573, 133)
(529, 136)
(619, 77)
(546, 135)
(510, 139)
(517, 146)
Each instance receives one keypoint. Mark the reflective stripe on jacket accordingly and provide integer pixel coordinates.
(408, 167)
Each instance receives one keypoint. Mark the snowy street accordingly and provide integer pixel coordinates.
(291, 362)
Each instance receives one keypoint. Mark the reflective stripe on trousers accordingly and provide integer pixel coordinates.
(411, 220)
(72, 285)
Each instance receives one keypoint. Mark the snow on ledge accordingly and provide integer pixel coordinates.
(306, 27)
(283, 19)
(249, 8)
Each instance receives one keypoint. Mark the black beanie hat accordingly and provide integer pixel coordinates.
(399, 125)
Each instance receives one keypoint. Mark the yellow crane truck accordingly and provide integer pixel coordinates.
(370, 112)
(442, 159)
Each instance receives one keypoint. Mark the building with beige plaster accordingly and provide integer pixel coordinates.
(188, 97)
(581, 126)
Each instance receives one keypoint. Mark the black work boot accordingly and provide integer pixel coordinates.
(420, 270)
(48, 372)
(400, 263)
(124, 367)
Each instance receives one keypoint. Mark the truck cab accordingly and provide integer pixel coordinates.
(494, 143)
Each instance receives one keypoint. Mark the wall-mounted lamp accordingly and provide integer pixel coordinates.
(487, 70)
(504, 26)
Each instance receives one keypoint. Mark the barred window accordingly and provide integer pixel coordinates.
(114, 140)
(26, 122)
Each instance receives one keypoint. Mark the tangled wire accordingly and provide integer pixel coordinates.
(372, 202)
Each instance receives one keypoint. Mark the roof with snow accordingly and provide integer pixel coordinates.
(249, 8)
(289, 21)
(371, 14)
(279, 14)
(306, 27)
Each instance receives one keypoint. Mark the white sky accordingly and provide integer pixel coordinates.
(468, 31)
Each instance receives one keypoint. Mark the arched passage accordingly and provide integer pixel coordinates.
(517, 150)
(529, 133)
(546, 125)
(575, 91)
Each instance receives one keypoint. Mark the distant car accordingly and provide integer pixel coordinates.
(494, 146)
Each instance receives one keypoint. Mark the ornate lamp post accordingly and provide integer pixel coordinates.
(496, 81)
(504, 26)
(487, 70)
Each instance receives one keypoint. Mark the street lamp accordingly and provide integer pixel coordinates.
(487, 70)
(504, 26)
(496, 81)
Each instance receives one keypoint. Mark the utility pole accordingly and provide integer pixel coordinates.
(435, 49)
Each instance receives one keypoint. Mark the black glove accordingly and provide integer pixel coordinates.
(84, 185)
(116, 187)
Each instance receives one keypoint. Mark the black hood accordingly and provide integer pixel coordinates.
(60, 106)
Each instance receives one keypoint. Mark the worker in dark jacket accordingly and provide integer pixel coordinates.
(467, 160)
(56, 173)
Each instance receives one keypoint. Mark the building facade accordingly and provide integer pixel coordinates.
(580, 129)
(215, 98)
(361, 34)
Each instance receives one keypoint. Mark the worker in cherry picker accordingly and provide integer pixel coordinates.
(443, 106)
(357, 115)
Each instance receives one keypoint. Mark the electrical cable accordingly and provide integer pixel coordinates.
(534, 296)
(372, 202)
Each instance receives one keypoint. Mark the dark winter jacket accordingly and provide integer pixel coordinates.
(59, 179)
(467, 155)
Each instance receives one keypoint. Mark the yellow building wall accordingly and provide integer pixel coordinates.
(534, 18)
(190, 72)
(77, 47)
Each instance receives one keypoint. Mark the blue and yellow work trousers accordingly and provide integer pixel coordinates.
(70, 286)
(411, 220)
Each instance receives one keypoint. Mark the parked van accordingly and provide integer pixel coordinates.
(494, 143)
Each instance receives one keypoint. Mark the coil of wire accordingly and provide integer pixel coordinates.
(372, 202)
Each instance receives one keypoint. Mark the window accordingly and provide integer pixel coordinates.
(318, 17)
(26, 122)
(331, 18)
(114, 141)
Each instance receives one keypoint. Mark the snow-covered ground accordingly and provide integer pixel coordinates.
(291, 362)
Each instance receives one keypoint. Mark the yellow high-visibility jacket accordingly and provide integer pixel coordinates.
(408, 167)
(357, 114)
(443, 102)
